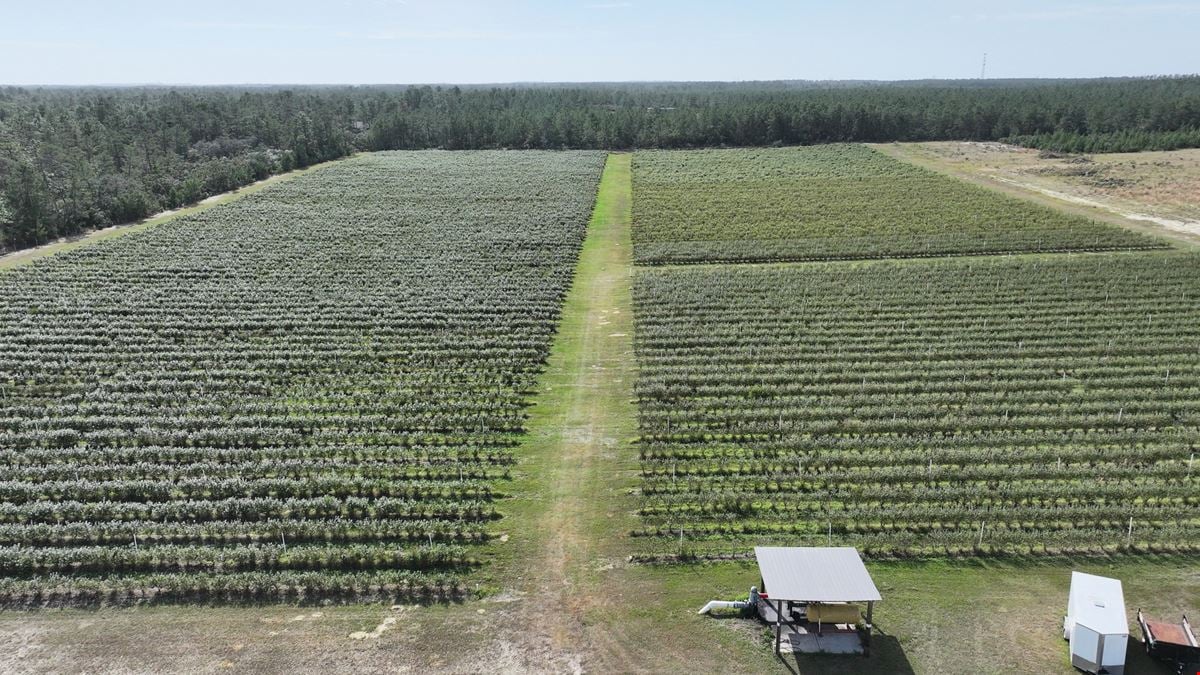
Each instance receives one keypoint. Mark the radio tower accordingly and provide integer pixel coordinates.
(983, 70)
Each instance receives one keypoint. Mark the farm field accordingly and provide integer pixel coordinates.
(312, 392)
(591, 610)
(1016, 405)
(834, 202)
(391, 337)
(743, 371)
(1033, 413)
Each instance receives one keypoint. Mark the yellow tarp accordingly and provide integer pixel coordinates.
(833, 613)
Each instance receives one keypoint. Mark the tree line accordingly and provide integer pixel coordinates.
(73, 159)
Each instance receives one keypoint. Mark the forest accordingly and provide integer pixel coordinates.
(73, 159)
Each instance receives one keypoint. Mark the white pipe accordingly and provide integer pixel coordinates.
(726, 604)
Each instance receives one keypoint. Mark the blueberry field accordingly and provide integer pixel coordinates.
(314, 391)
(832, 202)
(959, 397)
(321, 390)
(923, 408)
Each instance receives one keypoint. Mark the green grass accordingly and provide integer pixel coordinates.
(955, 617)
(574, 410)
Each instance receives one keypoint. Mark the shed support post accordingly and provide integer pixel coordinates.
(870, 627)
(778, 624)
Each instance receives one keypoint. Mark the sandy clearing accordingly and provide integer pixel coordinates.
(1185, 226)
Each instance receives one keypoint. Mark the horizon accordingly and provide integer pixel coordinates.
(571, 83)
(371, 42)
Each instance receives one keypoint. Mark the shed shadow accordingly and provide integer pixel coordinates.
(886, 656)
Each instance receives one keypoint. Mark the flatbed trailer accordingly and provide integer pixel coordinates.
(1173, 643)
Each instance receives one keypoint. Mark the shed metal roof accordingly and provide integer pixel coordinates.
(815, 574)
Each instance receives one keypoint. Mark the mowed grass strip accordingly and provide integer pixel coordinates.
(833, 202)
(1029, 405)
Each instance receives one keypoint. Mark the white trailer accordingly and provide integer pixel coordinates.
(1096, 625)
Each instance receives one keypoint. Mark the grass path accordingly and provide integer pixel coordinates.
(565, 599)
(567, 524)
(563, 523)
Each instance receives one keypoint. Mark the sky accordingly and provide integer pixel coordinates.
(481, 41)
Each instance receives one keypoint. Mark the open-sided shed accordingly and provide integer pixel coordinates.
(810, 583)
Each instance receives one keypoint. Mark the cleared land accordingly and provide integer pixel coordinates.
(1151, 190)
(903, 406)
(836, 202)
(312, 392)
